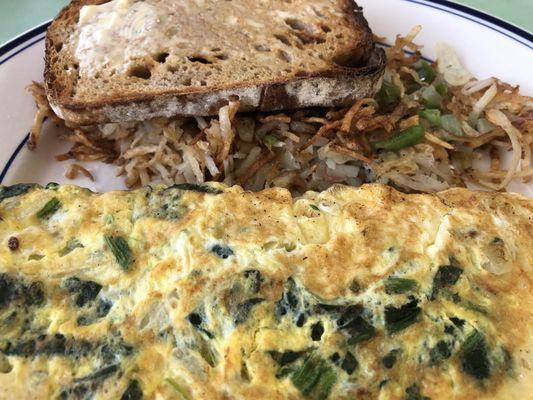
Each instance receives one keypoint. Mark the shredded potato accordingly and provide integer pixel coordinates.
(462, 118)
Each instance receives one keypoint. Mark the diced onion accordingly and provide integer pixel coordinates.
(450, 67)
(484, 126)
(499, 118)
(481, 104)
(476, 86)
(451, 124)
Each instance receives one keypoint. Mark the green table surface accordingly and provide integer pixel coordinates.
(16, 16)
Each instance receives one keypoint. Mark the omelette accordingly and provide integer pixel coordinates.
(211, 292)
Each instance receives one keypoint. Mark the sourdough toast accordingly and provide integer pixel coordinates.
(133, 60)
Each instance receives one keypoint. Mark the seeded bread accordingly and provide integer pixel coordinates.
(166, 57)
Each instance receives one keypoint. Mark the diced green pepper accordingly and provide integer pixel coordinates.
(426, 72)
(389, 93)
(431, 115)
(442, 88)
(405, 138)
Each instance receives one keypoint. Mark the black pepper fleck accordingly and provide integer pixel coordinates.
(13, 243)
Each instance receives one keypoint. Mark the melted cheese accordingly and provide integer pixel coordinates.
(349, 293)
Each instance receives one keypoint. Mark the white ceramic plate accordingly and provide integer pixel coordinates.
(487, 46)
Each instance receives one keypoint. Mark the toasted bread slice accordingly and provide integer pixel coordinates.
(133, 60)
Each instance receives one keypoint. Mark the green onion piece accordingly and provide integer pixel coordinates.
(413, 393)
(286, 371)
(49, 208)
(442, 88)
(474, 307)
(120, 249)
(183, 394)
(426, 72)
(441, 351)
(350, 363)
(406, 138)
(70, 246)
(397, 319)
(194, 187)
(447, 275)
(314, 207)
(432, 115)
(474, 356)
(451, 124)
(325, 383)
(472, 341)
(389, 93)
(15, 190)
(432, 98)
(52, 186)
(399, 285)
(315, 377)
(306, 378)
(390, 358)
(206, 351)
(362, 336)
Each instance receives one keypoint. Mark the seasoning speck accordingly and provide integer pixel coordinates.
(13, 243)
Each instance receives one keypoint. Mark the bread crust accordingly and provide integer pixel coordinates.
(336, 86)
